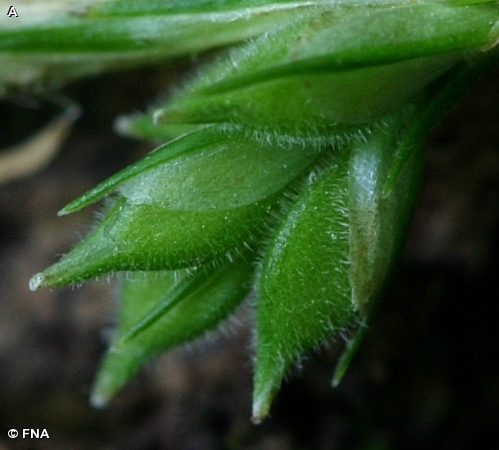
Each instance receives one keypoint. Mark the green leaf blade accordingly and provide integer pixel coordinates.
(330, 259)
(206, 298)
(304, 286)
(68, 42)
(195, 200)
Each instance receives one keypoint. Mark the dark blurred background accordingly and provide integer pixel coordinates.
(426, 376)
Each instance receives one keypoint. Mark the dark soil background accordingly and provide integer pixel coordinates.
(426, 376)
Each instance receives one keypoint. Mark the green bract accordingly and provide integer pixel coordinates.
(330, 255)
(347, 53)
(63, 39)
(198, 198)
(291, 164)
(166, 308)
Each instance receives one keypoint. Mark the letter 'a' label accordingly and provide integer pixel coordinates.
(12, 12)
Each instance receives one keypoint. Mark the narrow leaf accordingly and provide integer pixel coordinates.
(175, 212)
(183, 305)
(348, 39)
(48, 43)
(305, 292)
(332, 255)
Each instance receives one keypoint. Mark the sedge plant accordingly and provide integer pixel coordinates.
(289, 168)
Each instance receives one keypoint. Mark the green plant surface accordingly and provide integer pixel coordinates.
(65, 39)
(290, 164)
(151, 322)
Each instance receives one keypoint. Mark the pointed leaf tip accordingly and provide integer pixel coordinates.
(261, 407)
(267, 382)
(36, 281)
(163, 309)
(64, 211)
(98, 401)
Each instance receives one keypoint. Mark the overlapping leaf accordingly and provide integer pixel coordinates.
(331, 254)
(341, 64)
(196, 199)
(163, 309)
(51, 42)
(355, 84)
